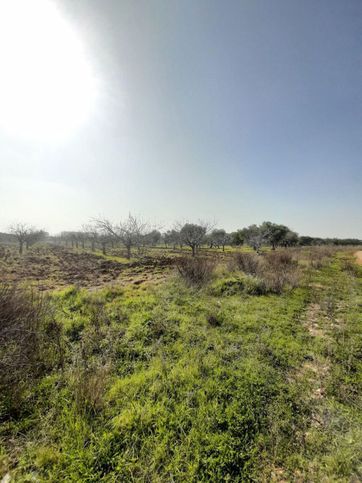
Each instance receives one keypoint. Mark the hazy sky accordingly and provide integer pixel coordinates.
(234, 111)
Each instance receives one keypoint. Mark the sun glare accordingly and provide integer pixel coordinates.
(47, 88)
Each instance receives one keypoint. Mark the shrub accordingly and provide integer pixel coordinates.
(254, 286)
(248, 263)
(318, 256)
(228, 286)
(279, 271)
(350, 267)
(195, 271)
(29, 344)
(280, 260)
(271, 273)
(277, 281)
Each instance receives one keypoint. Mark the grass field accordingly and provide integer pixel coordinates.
(140, 374)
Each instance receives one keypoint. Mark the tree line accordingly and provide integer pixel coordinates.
(133, 233)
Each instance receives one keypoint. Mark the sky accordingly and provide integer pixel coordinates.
(233, 112)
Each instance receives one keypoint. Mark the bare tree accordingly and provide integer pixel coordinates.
(20, 231)
(91, 234)
(34, 236)
(129, 232)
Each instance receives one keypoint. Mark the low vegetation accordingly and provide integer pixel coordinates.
(226, 366)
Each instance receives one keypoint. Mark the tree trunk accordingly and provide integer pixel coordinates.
(21, 247)
(193, 250)
(128, 252)
(104, 249)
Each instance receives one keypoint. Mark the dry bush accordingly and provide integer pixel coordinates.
(280, 259)
(277, 280)
(350, 267)
(195, 271)
(248, 263)
(318, 256)
(280, 270)
(272, 272)
(29, 344)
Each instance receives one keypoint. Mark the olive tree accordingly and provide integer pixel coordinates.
(275, 234)
(255, 236)
(218, 238)
(193, 235)
(171, 237)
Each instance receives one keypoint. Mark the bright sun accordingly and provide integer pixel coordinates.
(47, 88)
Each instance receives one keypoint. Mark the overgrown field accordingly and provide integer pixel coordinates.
(233, 367)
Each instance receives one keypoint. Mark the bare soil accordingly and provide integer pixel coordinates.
(54, 266)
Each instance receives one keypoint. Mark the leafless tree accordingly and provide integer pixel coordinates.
(20, 231)
(34, 236)
(129, 232)
(91, 234)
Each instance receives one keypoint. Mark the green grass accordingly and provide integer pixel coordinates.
(153, 390)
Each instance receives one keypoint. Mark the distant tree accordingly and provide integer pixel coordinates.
(129, 232)
(152, 238)
(193, 235)
(171, 237)
(274, 234)
(35, 236)
(306, 240)
(20, 231)
(237, 238)
(291, 239)
(255, 236)
(91, 234)
(218, 238)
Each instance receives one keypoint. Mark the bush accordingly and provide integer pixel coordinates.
(280, 260)
(195, 271)
(271, 273)
(228, 286)
(318, 256)
(29, 345)
(280, 270)
(254, 286)
(248, 263)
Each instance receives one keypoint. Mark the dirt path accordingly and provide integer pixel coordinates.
(358, 256)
